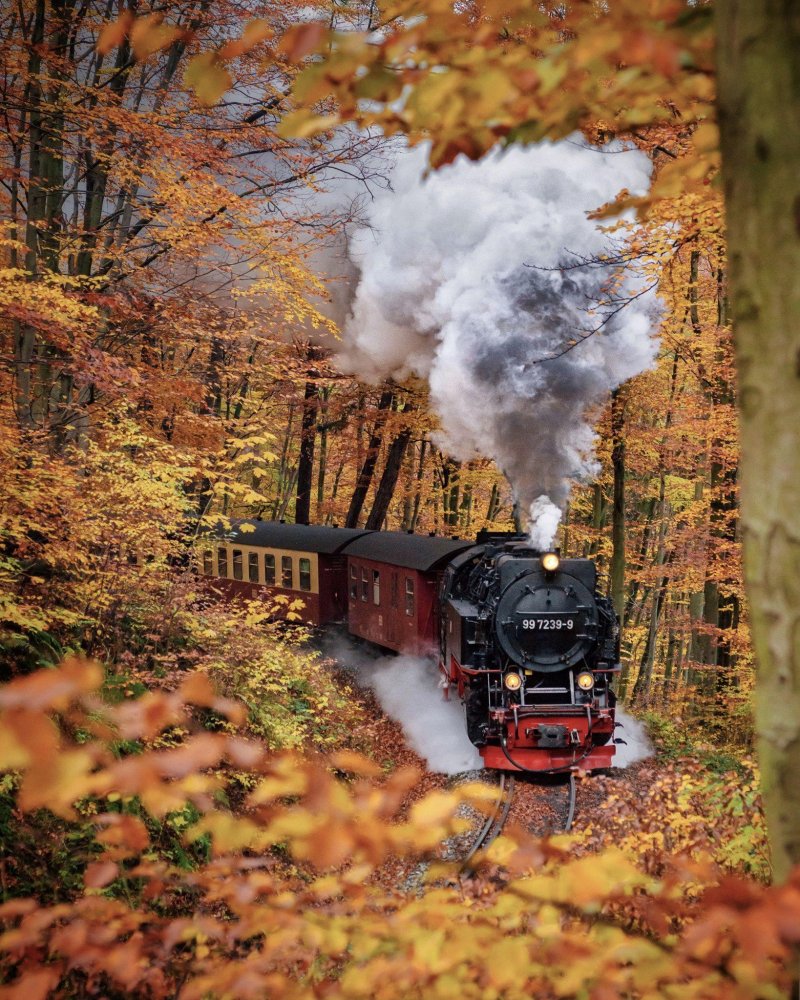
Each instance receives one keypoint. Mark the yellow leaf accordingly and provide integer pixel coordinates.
(207, 78)
(303, 124)
(435, 808)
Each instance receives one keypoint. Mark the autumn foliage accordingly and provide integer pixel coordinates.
(279, 897)
(182, 810)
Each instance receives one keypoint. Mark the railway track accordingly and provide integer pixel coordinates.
(496, 820)
(494, 823)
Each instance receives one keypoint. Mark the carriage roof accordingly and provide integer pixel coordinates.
(322, 539)
(398, 548)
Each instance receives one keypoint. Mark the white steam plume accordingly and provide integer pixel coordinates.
(408, 691)
(636, 746)
(477, 279)
(544, 519)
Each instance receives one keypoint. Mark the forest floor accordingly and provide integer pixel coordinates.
(539, 805)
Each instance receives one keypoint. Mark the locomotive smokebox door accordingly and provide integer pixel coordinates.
(548, 623)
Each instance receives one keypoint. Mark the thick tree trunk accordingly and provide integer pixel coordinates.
(323, 450)
(759, 108)
(308, 439)
(368, 467)
(386, 487)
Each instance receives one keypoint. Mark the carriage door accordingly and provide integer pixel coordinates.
(392, 632)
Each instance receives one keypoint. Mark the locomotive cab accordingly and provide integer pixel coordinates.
(531, 647)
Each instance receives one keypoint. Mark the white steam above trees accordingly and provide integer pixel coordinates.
(483, 279)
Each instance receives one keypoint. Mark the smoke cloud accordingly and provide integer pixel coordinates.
(483, 279)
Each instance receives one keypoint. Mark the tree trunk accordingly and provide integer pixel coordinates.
(617, 574)
(305, 466)
(367, 471)
(284, 462)
(323, 451)
(759, 108)
(386, 487)
(494, 504)
(451, 484)
(418, 492)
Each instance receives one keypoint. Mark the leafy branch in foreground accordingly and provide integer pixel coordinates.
(286, 904)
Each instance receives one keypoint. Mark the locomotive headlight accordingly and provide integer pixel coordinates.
(586, 681)
(550, 562)
(513, 682)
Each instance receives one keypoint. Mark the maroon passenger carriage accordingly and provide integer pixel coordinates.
(524, 637)
(297, 561)
(394, 579)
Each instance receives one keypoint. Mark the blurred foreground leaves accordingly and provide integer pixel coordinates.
(276, 897)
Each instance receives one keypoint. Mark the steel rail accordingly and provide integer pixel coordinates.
(496, 821)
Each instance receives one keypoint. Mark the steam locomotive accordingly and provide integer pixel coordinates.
(523, 636)
(532, 648)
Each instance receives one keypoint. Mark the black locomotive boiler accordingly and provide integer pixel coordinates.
(531, 647)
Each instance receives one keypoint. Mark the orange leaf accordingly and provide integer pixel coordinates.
(53, 689)
(37, 985)
(100, 874)
(302, 39)
(198, 689)
(347, 760)
(111, 35)
(148, 35)
(255, 31)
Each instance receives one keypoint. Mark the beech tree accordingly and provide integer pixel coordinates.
(759, 107)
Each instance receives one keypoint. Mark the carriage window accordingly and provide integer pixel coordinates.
(305, 574)
(287, 573)
(409, 596)
(353, 583)
(269, 570)
(237, 565)
(364, 585)
(252, 567)
(376, 587)
(208, 562)
(222, 562)
(394, 590)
